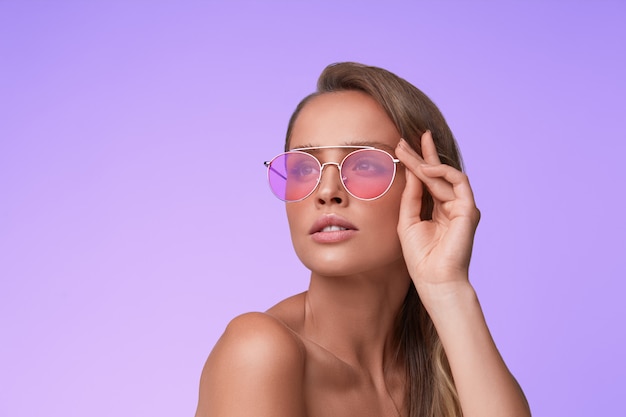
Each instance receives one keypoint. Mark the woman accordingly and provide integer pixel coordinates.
(390, 325)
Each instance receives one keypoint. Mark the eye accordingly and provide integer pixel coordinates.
(367, 166)
(364, 165)
(303, 169)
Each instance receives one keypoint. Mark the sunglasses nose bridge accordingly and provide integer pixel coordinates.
(324, 165)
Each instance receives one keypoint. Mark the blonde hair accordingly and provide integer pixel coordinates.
(430, 387)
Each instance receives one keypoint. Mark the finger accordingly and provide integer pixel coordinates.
(455, 181)
(429, 150)
(411, 203)
(440, 188)
(408, 155)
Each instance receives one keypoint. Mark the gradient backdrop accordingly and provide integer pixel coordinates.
(135, 220)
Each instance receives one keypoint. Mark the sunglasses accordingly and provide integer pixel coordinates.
(366, 173)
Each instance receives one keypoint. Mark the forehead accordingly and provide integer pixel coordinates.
(343, 118)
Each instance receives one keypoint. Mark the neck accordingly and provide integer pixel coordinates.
(354, 317)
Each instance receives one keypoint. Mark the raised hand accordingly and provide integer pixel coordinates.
(437, 251)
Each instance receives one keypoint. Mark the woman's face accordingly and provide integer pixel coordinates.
(333, 232)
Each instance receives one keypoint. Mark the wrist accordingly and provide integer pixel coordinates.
(447, 297)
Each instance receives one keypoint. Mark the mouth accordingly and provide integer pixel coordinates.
(333, 228)
(330, 223)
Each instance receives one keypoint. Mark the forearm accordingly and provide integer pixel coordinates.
(484, 384)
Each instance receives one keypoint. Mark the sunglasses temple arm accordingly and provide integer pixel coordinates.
(277, 173)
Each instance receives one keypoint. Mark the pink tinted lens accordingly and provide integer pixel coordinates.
(293, 175)
(368, 173)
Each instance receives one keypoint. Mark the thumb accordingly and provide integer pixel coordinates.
(411, 203)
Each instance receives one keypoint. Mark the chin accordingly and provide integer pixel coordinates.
(328, 265)
(337, 263)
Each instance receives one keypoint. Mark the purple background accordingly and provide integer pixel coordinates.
(135, 220)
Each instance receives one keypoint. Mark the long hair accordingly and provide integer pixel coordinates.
(430, 390)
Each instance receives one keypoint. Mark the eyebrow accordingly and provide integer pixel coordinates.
(374, 144)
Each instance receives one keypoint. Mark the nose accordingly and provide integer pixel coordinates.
(330, 189)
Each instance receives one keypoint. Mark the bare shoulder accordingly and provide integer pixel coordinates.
(256, 368)
(260, 334)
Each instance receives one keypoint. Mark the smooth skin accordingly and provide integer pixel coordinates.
(329, 351)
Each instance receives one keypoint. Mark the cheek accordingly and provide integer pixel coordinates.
(291, 209)
(391, 201)
(400, 181)
(386, 212)
(296, 222)
(386, 218)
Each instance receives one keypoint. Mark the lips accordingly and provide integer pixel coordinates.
(332, 228)
(331, 223)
